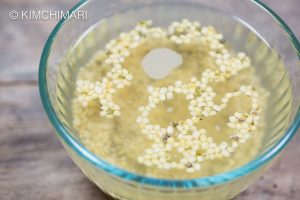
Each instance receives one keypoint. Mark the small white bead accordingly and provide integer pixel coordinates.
(170, 130)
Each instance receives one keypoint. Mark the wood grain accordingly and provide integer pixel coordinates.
(34, 165)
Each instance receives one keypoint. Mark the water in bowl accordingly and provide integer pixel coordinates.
(120, 141)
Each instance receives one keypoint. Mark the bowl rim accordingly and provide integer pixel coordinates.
(202, 182)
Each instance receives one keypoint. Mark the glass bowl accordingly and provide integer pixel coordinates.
(78, 40)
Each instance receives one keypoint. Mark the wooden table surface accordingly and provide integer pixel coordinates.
(34, 165)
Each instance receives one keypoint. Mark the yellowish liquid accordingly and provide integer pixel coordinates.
(120, 140)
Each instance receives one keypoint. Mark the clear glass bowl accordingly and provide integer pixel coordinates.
(78, 40)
